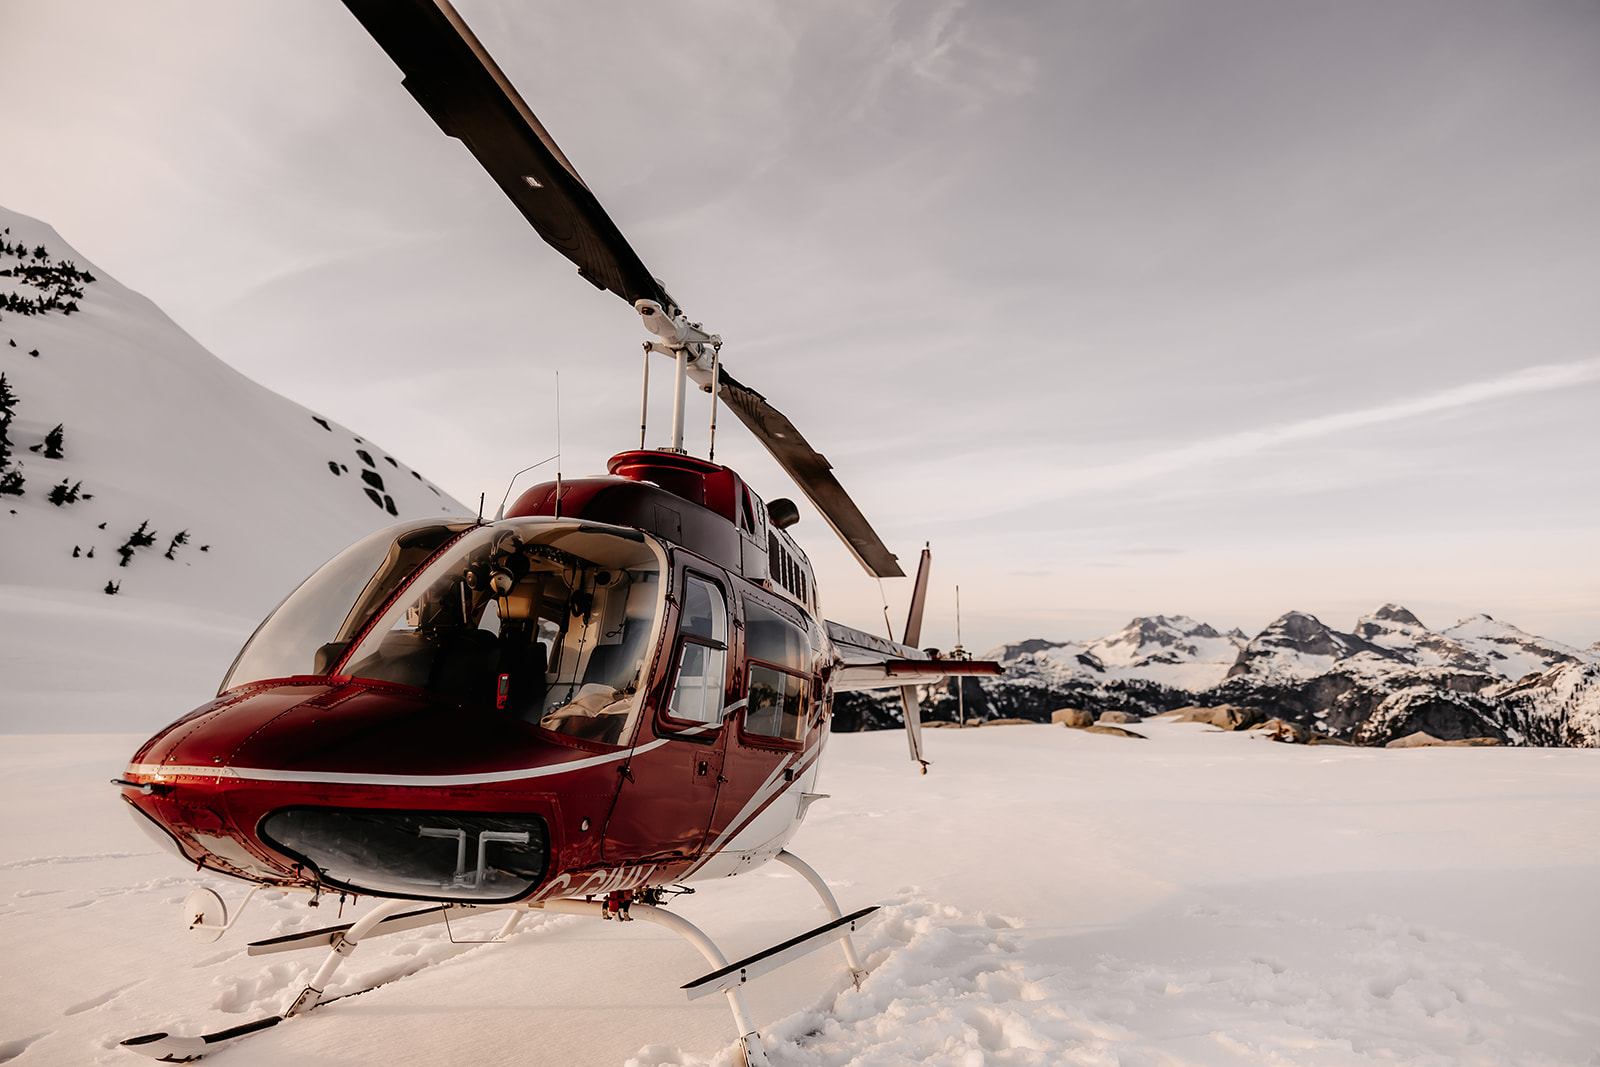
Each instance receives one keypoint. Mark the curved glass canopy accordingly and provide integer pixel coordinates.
(552, 621)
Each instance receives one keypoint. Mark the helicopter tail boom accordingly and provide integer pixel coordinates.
(872, 662)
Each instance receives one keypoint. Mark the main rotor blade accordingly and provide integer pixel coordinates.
(812, 473)
(459, 85)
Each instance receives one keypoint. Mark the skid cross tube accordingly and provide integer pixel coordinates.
(343, 945)
(857, 972)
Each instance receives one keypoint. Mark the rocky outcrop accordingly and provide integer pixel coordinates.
(1558, 707)
(1423, 739)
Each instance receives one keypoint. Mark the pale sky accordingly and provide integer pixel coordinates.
(1154, 306)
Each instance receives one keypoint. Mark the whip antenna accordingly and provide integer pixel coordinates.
(502, 512)
(558, 444)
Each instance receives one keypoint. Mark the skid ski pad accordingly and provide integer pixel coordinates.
(170, 1049)
(768, 960)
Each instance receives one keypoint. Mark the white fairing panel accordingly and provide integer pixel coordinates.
(764, 828)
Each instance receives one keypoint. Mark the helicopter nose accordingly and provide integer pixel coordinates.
(356, 785)
(177, 784)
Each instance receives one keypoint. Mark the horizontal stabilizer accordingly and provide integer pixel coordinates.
(872, 662)
(891, 673)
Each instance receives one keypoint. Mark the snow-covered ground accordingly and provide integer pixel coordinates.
(1050, 896)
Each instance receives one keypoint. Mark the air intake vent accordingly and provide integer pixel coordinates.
(416, 854)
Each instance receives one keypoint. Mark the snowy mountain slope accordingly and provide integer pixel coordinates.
(138, 464)
(178, 479)
(1297, 646)
(1567, 698)
(1172, 650)
(1511, 653)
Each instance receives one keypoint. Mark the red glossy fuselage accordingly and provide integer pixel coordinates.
(648, 808)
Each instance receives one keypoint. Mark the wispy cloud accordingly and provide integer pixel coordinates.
(1539, 379)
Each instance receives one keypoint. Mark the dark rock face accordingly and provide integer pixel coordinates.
(1396, 613)
(1445, 715)
(1299, 634)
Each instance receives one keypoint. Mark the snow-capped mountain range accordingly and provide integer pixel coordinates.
(1388, 677)
(137, 463)
(1177, 651)
(1298, 646)
(1173, 650)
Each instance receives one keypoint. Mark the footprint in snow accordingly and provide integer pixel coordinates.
(39, 861)
(96, 1001)
(10, 1050)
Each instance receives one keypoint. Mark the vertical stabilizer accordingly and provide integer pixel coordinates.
(908, 693)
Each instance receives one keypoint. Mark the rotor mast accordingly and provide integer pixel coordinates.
(690, 346)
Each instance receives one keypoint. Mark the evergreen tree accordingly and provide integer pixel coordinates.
(143, 537)
(62, 494)
(11, 479)
(52, 443)
(8, 401)
(180, 539)
(112, 588)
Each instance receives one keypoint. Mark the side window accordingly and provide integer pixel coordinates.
(777, 696)
(702, 664)
(777, 705)
(747, 515)
(774, 638)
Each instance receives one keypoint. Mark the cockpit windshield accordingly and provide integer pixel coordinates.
(310, 630)
(548, 621)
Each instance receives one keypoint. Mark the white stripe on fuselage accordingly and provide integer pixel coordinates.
(266, 774)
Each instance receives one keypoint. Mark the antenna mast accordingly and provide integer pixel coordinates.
(558, 444)
(959, 653)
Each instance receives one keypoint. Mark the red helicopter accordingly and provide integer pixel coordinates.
(618, 685)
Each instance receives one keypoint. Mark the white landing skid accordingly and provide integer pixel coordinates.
(393, 916)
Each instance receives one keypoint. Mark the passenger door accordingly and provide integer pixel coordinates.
(765, 737)
(667, 797)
